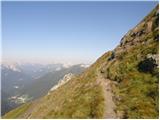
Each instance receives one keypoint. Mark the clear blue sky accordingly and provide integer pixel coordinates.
(66, 31)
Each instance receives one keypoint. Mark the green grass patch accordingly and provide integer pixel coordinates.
(17, 112)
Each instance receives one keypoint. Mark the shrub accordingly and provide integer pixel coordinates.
(147, 65)
(112, 56)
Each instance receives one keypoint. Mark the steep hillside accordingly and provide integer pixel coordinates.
(133, 66)
(123, 83)
(20, 83)
(20, 87)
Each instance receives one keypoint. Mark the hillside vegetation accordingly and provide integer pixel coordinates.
(132, 68)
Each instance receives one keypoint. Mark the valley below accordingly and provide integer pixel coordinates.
(22, 83)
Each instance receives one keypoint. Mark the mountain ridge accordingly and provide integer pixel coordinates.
(128, 75)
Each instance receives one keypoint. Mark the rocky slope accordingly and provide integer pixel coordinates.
(61, 82)
(123, 83)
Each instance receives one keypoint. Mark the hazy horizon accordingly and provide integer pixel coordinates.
(66, 32)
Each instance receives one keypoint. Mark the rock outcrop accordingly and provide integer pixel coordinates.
(61, 82)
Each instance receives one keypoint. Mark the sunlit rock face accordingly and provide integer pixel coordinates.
(65, 79)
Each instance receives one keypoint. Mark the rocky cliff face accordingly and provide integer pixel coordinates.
(65, 79)
(133, 75)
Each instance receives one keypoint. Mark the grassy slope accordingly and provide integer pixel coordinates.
(137, 90)
(82, 97)
(18, 111)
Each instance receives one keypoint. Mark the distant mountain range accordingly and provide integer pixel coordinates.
(25, 82)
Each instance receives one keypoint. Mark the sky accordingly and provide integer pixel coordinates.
(60, 32)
